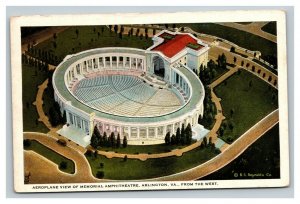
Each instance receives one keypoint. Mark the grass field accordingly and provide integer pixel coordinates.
(52, 155)
(239, 37)
(270, 28)
(67, 42)
(146, 149)
(119, 169)
(31, 79)
(249, 104)
(263, 156)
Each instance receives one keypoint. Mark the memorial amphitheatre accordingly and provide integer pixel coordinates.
(140, 83)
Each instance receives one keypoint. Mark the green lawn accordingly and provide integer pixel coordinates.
(263, 156)
(68, 43)
(139, 149)
(51, 155)
(239, 37)
(31, 79)
(270, 28)
(119, 169)
(250, 104)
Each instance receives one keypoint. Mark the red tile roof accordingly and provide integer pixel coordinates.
(178, 42)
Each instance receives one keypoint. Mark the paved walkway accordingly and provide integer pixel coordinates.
(39, 104)
(230, 153)
(41, 36)
(36, 164)
(254, 28)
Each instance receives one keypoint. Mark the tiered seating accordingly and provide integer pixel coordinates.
(164, 97)
(124, 82)
(108, 102)
(125, 95)
(149, 110)
(127, 108)
(87, 94)
(92, 82)
(140, 93)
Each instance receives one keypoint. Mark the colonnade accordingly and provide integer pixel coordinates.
(105, 62)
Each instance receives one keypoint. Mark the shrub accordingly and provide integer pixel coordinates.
(89, 153)
(100, 174)
(63, 165)
(26, 143)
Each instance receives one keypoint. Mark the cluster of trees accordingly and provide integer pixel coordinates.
(209, 111)
(183, 136)
(226, 125)
(207, 74)
(209, 144)
(42, 66)
(55, 117)
(222, 61)
(43, 55)
(98, 140)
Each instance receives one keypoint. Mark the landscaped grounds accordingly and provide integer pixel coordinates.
(64, 164)
(245, 100)
(127, 169)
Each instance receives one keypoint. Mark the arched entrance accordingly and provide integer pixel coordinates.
(159, 68)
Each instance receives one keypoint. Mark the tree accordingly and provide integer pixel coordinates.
(54, 36)
(234, 59)
(112, 139)
(222, 61)
(125, 158)
(167, 138)
(232, 49)
(105, 140)
(204, 141)
(63, 165)
(118, 141)
(188, 134)
(210, 140)
(173, 139)
(242, 63)
(116, 29)
(182, 134)
(230, 125)
(77, 32)
(231, 112)
(95, 154)
(250, 83)
(95, 139)
(178, 136)
(125, 141)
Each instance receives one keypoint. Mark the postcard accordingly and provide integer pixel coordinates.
(152, 101)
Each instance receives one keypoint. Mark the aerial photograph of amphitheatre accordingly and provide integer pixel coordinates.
(150, 102)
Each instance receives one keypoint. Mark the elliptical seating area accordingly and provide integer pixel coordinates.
(126, 95)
